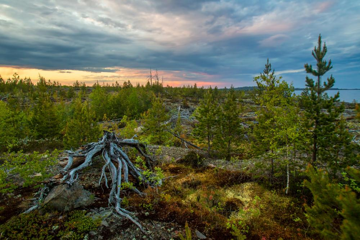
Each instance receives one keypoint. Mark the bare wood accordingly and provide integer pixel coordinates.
(116, 162)
(187, 142)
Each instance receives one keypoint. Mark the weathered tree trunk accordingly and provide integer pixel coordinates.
(118, 163)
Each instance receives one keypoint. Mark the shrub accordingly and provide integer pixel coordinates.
(194, 159)
(49, 226)
(32, 169)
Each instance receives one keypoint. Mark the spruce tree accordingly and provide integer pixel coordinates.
(335, 211)
(206, 114)
(329, 139)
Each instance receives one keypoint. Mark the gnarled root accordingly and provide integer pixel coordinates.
(118, 164)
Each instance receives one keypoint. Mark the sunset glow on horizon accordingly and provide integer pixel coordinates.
(135, 76)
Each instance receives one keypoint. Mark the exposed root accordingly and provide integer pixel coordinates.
(118, 163)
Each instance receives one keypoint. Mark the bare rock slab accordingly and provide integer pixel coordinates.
(66, 198)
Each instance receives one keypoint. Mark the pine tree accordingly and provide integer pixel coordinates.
(100, 102)
(8, 128)
(154, 124)
(329, 140)
(357, 107)
(275, 116)
(287, 133)
(81, 127)
(178, 128)
(178, 131)
(206, 114)
(335, 211)
(229, 128)
(45, 121)
(129, 130)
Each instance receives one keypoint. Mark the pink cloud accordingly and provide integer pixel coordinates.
(322, 7)
(274, 41)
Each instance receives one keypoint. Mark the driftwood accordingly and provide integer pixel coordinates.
(116, 161)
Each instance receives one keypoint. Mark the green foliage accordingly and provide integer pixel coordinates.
(187, 233)
(206, 113)
(31, 169)
(352, 178)
(13, 126)
(129, 101)
(81, 127)
(78, 225)
(129, 130)
(154, 177)
(357, 108)
(239, 229)
(155, 129)
(127, 185)
(178, 129)
(279, 127)
(228, 129)
(274, 97)
(336, 209)
(99, 100)
(70, 93)
(194, 159)
(45, 121)
(330, 143)
(16, 85)
(49, 226)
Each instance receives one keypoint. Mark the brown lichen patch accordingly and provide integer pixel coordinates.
(226, 178)
(244, 192)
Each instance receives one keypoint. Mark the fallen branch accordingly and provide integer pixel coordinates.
(187, 142)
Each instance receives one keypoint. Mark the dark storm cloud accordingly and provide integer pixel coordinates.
(230, 39)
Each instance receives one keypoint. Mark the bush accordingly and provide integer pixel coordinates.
(32, 169)
(194, 160)
(49, 226)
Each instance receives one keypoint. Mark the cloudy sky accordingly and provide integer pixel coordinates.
(206, 42)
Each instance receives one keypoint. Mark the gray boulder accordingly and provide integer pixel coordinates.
(66, 198)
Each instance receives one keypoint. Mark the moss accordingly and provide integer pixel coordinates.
(49, 226)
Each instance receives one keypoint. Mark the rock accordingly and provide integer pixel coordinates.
(139, 129)
(104, 223)
(66, 198)
(199, 234)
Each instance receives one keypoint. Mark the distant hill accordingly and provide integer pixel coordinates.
(245, 88)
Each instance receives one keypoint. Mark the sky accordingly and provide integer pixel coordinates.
(207, 42)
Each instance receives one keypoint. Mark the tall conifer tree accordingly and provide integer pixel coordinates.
(154, 127)
(45, 121)
(329, 139)
(206, 114)
(229, 128)
(81, 127)
(276, 115)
